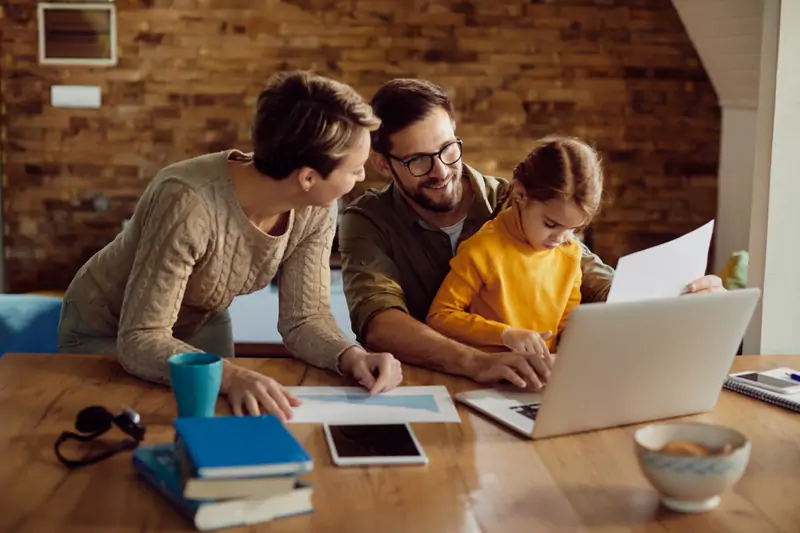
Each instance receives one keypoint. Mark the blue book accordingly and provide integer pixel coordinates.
(241, 446)
(158, 465)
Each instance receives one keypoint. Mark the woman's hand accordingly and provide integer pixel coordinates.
(363, 366)
(252, 393)
(526, 341)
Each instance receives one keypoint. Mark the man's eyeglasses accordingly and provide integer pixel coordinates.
(422, 164)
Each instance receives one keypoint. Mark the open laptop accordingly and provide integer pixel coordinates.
(629, 362)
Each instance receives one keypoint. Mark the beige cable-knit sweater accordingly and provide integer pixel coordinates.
(188, 251)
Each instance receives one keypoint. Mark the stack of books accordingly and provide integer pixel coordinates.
(229, 471)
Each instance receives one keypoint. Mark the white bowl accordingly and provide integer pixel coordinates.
(685, 483)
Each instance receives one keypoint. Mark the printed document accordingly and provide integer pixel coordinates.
(662, 271)
(354, 405)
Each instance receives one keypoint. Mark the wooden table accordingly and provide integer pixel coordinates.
(481, 477)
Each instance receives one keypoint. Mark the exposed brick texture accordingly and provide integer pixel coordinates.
(620, 73)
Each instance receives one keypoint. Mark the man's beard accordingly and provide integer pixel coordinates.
(441, 206)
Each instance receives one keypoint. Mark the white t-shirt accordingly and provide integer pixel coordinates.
(454, 232)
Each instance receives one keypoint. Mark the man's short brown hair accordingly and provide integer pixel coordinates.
(402, 102)
(306, 120)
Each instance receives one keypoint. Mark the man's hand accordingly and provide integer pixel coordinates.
(526, 341)
(252, 393)
(378, 372)
(529, 371)
(708, 283)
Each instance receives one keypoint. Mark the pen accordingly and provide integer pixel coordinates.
(794, 376)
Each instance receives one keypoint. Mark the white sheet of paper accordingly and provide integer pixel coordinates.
(662, 271)
(354, 405)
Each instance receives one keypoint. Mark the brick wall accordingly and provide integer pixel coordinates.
(620, 73)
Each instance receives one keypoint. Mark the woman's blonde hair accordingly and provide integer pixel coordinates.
(306, 120)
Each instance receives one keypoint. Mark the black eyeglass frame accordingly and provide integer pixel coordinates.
(407, 163)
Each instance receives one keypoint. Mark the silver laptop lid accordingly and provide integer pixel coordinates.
(623, 363)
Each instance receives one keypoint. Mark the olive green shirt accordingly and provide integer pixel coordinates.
(391, 259)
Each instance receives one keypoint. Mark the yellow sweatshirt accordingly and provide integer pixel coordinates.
(498, 280)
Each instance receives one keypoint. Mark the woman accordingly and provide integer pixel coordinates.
(219, 225)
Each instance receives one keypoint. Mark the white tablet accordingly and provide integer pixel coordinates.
(378, 444)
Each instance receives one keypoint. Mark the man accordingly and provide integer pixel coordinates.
(396, 243)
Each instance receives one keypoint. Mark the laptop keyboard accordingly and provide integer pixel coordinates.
(529, 410)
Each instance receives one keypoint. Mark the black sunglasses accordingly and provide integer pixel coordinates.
(421, 164)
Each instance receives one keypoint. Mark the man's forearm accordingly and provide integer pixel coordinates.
(415, 343)
(597, 276)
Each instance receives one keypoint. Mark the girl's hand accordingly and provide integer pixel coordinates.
(526, 341)
(378, 372)
(252, 393)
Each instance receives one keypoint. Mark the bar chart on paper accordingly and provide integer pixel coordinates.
(351, 405)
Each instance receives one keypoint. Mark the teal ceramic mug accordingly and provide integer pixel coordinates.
(196, 378)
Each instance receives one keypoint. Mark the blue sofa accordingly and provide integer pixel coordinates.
(29, 323)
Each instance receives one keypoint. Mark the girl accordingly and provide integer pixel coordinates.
(520, 274)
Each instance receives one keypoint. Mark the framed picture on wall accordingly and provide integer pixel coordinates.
(77, 34)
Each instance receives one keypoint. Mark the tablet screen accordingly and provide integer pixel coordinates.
(769, 380)
(386, 440)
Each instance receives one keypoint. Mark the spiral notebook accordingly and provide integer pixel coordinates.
(787, 401)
